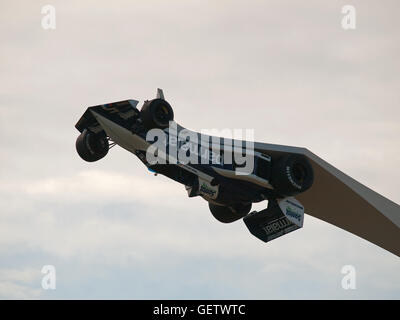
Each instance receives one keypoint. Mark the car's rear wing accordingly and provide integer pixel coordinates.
(278, 219)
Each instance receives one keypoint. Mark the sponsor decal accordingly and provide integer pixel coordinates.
(206, 190)
(291, 213)
(276, 226)
(293, 210)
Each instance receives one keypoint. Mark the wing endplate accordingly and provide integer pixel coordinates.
(270, 223)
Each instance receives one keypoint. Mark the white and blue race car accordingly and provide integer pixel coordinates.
(232, 174)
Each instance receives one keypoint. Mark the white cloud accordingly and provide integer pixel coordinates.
(103, 186)
(20, 283)
(9, 290)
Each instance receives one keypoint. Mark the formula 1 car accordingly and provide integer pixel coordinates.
(232, 174)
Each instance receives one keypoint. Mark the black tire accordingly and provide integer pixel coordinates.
(242, 208)
(156, 113)
(225, 214)
(291, 175)
(92, 147)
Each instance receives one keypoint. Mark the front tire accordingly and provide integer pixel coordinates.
(92, 147)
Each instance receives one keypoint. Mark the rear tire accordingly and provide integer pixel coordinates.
(291, 175)
(225, 214)
(92, 147)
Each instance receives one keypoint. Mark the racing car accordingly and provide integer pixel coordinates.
(233, 174)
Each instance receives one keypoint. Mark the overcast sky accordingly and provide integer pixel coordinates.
(286, 69)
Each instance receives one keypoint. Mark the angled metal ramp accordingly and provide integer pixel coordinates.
(342, 201)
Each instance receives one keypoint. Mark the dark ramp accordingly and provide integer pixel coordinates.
(342, 201)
